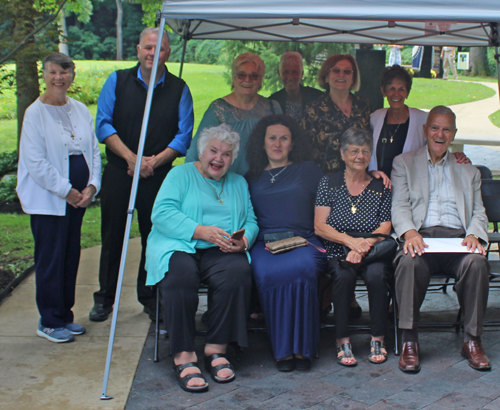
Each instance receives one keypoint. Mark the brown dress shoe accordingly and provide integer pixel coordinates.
(473, 351)
(409, 361)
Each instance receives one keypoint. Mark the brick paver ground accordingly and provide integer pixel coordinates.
(445, 381)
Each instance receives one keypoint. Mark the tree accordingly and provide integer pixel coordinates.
(479, 62)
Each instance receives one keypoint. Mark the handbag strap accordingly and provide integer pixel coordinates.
(368, 235)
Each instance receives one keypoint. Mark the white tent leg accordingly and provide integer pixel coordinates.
(131, 206)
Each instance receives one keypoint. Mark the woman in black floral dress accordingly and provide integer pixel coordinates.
(327, 118)
(352, 201)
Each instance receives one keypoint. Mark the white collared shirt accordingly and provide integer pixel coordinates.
(442, 209)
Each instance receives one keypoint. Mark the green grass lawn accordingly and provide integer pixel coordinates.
(495, 118)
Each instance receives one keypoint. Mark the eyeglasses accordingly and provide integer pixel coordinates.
(355, 152)
(243, 76)
(336, 70)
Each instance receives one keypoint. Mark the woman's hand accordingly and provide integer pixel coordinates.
(87, 196)
(359, 245)
(73, 197)
(236, 246)
(214, 235)
(385, 179)
(461, 158)
(354, 257)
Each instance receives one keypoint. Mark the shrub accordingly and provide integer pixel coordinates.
(8, 162)
(8, 190)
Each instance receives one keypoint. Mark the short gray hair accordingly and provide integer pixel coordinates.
(291, 56)
(154, 30)
(223, 133)
(61, 59)
(442, 110)
(356, 136)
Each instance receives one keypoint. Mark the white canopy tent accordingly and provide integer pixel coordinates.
(413, 22)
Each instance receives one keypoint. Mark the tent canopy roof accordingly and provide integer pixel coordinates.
(419, 22)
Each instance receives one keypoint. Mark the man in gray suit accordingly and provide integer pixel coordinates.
(434, 197)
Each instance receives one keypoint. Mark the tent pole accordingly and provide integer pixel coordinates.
(497, 57)
(131, 206)
(183, 56)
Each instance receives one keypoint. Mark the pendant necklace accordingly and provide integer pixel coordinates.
(217, 195)
(354, 206)
(394, 133)
(273, 177)
(69, 117)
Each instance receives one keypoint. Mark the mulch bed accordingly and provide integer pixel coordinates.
(6, 277)
(11, 207)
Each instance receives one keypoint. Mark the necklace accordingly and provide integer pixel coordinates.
(354, 206)
(217, 195)
(273, 177)
(69, 117)
(394, 133)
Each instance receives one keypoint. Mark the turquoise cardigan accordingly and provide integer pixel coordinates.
(178, 207)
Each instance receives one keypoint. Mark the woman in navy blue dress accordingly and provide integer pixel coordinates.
(283, 191)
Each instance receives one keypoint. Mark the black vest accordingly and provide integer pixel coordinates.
(129, 111)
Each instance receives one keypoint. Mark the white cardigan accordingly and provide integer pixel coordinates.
(414, 139)
(43, 170)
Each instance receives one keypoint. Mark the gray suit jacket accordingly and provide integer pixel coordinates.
(410, 194)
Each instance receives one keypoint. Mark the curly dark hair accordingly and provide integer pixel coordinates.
(256, 155)
(396, 72)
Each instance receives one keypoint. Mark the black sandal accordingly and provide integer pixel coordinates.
(215, 369)
(183, 381)
(376, 347)
(346, 349)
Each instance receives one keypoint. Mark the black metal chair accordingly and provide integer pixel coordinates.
(485, 172)
(490, 190)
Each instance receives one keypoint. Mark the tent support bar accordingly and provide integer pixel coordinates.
(131, 206)
(183, 56)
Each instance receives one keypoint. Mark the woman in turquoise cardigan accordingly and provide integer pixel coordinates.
(197, 209)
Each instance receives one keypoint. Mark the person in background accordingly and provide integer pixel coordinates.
(395, 54)
(198, 208)
(294, 97)
(448, 57)
(241, 109)
(283, 189)
(327, 118)
(120, 112)
(59, 174)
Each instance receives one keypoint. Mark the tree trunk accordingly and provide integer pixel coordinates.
(26, 61)
(119, 34)
(63, 37)
(479, 62)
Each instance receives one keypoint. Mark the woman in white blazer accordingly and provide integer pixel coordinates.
(59, 174)
(397, 129)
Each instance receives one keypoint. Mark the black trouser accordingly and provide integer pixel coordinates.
(115, 197)
(376, 277)
(229, 280)
(57, 254)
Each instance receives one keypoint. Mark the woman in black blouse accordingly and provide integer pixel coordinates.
(352, 201)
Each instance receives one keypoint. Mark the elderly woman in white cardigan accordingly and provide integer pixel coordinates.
(397, 129)
(59, 174)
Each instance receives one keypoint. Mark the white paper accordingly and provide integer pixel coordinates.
(445, 245)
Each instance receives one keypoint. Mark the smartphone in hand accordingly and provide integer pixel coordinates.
(238, 235)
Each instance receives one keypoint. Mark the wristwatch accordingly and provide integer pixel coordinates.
(474, 236)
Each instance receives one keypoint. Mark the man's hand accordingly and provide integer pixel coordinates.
(414, 243)
(146, 169)
(87, 196)
(73, 197)
(385, 179)
(472, 244)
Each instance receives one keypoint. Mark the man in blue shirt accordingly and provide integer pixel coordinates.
(120, 112)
